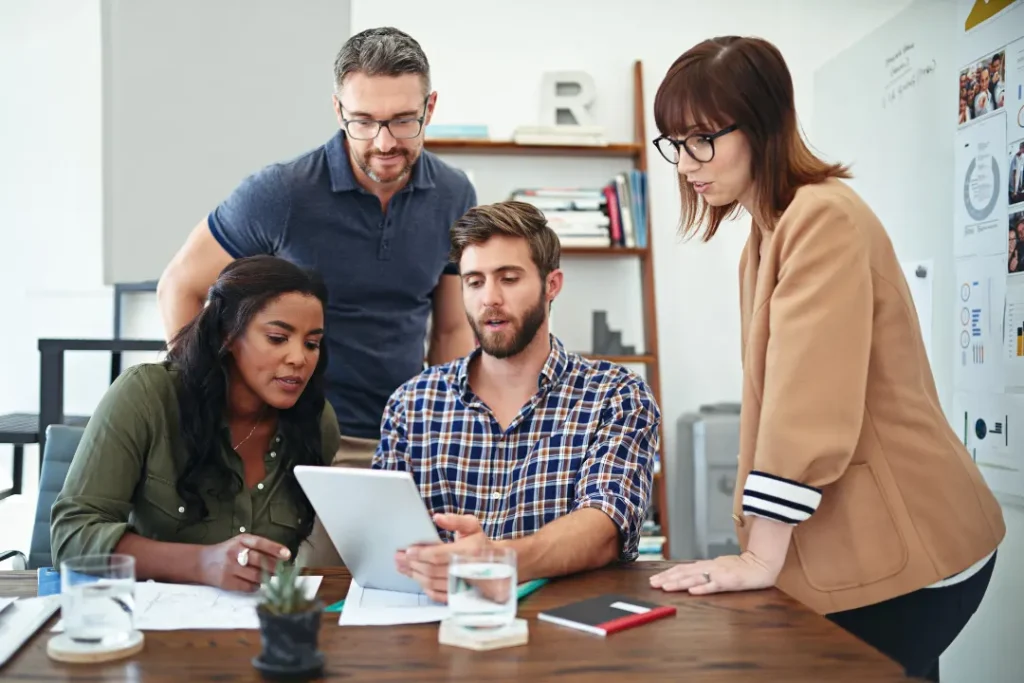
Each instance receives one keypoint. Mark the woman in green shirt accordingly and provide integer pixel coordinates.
(187, 465)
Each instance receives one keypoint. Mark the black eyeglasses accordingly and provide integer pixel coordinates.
(403, 128)
(699, 146)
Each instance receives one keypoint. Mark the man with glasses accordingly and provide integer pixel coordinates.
(370, 210)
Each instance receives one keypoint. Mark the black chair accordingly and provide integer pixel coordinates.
(61, 444)
(19, 430)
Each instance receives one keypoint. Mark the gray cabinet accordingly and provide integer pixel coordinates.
(700, 490)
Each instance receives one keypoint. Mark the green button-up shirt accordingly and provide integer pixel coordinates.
(124, 472)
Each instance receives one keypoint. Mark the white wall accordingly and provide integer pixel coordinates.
(51, 196)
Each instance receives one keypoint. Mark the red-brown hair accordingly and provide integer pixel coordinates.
(744, 81)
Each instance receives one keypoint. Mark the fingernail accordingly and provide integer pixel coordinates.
(285, 553)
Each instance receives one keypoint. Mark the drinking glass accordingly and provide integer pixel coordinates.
(98, 599)
(482, 588)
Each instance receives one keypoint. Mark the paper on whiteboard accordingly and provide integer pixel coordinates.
(918, 275)
(1013, 335)
(172, 606)
(374, 607)
(980, 190)
(992, 428)
(980, 298)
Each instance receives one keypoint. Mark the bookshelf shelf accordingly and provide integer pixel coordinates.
(604, 251)
(469, 146)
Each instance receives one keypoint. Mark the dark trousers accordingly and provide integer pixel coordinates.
(916, 628)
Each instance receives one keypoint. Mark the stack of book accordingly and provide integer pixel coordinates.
(560, 134)
(457, 131)
(611, 216)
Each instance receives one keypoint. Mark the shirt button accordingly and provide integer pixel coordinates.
(273, 454)
(181, 509)
(496, 495)
(277, 439)
(300, 520)
(260, 486)
(242, 529)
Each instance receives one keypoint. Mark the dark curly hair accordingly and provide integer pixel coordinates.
(200, 353)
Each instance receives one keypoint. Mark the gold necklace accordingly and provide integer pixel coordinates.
(251, 431)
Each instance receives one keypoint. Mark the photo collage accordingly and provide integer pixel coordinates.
(993, 86)
(1015, 236)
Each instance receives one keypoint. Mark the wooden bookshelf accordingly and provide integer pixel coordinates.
(469, 146)
(636, 151)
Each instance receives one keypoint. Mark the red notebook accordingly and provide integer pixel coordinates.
(606, 614)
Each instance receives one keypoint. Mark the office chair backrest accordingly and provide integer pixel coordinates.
(61, 444)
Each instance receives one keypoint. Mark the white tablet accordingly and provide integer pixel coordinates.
(369, 515)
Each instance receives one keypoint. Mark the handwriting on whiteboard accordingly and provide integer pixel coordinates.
(904, 71)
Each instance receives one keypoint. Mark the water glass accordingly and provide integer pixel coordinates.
(98, 599)
(482, 588)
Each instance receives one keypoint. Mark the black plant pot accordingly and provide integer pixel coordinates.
(290, 644)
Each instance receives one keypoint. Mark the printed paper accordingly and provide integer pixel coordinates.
(981, 295)
(981, 196)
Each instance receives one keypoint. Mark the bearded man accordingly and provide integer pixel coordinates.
(521, 444)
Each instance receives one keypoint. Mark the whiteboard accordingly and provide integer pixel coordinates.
(197, 95)
(878, 106)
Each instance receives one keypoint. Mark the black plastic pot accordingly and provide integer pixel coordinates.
(290, 644)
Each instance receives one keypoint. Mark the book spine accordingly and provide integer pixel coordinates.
(622, 623)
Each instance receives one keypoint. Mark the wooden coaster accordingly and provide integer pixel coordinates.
(517, 633)
(61, 648)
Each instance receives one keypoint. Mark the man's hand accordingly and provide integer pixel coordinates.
(428, 564)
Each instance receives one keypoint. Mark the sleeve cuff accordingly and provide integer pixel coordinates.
(218, 234)
(619, 510)
(783, 500)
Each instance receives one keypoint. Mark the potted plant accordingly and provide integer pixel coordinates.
(289, 626)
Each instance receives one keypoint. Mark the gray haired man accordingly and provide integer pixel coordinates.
(371, 210)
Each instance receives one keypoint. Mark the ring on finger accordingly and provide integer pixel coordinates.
(243, 557)
(707, 577)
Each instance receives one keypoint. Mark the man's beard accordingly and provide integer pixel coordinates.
(363, 161)
(505, 345)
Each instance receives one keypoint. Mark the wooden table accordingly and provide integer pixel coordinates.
(760, 636)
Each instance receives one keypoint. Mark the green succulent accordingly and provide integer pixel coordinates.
(283, 593)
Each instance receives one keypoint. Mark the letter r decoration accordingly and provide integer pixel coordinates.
(565, 97)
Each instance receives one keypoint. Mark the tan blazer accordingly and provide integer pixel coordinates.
(841, 431)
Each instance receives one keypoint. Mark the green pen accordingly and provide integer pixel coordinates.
(336, 607)
(525, 589)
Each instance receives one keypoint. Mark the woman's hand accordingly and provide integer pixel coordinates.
(235, 564)
(726, 573)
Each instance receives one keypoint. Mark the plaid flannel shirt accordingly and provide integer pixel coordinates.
(587, 438)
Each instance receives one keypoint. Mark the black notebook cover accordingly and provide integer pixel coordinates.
(606, 614)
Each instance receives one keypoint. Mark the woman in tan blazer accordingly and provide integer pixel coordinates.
(854, 495)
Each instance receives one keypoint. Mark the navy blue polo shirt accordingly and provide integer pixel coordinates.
(380, 268)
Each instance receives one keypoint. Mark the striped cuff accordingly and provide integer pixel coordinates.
(790, 502)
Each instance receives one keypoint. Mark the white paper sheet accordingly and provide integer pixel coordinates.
(19, 621)
(4, 602)
(172, 607)
(992, 431)
(1013, 334)
(981, 174)
(374, 607)
(981, 295)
